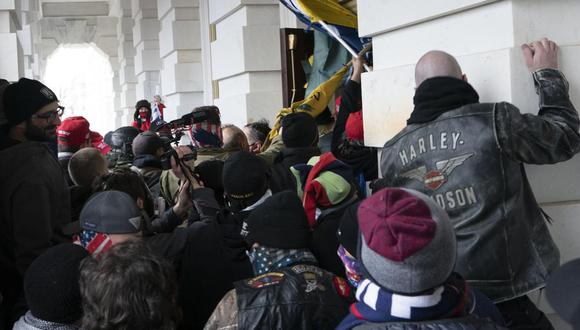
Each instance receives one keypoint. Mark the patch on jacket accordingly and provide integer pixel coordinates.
(265, 280)
(299, 269)
(436, 178)
(312, 283)
(341, 286)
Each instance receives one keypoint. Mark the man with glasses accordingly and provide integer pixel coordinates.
(34, 198)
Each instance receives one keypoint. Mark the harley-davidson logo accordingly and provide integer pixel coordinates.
(434, 179)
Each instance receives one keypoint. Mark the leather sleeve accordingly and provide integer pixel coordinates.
(549, 137)
(225, 315)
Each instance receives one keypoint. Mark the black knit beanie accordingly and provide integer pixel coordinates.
(280, 222)
(23, 99)
(299, 130)
(347, 232)
(244, 179)
(51, 284)
(210, 173)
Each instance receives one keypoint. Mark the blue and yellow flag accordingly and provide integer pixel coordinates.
(339, 19)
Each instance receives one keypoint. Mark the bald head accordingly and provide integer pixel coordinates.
(436, 63)
(234, 138)
(86, 165)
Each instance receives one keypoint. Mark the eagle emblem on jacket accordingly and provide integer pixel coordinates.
(434, 179)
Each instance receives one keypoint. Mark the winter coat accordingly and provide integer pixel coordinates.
(205, 264)
(297, 297)
(34, 208)
(470, 161)
(362, 159)
(325, 240)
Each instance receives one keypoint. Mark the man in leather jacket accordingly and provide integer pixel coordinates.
(468, 157)
(289, 291)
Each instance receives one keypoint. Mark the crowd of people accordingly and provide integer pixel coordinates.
(197, 224)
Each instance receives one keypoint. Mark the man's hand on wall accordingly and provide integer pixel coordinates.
(542, 54)
(357, 68)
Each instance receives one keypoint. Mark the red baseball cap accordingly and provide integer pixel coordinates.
(73, 131)
(97, 142)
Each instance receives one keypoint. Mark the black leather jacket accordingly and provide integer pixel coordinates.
(298, 297)
(470, 160)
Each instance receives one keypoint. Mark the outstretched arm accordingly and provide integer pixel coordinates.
(552, 135)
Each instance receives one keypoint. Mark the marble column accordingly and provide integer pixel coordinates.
(245, 58)
(146, 43)
(126, 58)
(180, 51)
(28, 35)
(11, 57)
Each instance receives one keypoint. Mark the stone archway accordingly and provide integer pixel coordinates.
(82, 77)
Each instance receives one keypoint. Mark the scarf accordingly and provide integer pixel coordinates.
(267, 259)
(438, 95)
(95, 243)
(324, 182)
(375, 304)
(351, 265)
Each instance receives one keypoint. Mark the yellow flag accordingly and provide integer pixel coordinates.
(328, 11)
(314, 104)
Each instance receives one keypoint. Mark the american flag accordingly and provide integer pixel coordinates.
(95, 243)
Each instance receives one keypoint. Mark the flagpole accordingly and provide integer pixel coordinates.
(342, 42)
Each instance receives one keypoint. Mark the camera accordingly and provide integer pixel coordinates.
(171, 153)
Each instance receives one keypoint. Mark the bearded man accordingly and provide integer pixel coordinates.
(34, 199)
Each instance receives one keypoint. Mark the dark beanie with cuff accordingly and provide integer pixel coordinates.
(299, 130)
(51, 284)
(279, 222)
(244, 179)
(24, 98)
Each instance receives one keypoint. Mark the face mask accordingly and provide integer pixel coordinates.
(351, 265)
(143, 114)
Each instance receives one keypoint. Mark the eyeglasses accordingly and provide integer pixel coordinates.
(51, 115)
